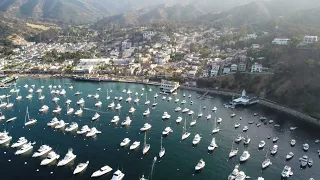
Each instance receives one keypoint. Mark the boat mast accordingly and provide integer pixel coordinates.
(145, 139)
(161, 143)
(184, 128)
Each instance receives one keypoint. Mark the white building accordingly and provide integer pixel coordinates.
(281, 41)
(234, 67)
(148, 34)
(310, 39)
(226, 70)
(169, 86)
(87, 65)
(214, 70)
(256, 67)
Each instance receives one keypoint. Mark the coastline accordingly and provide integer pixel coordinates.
(264, 102)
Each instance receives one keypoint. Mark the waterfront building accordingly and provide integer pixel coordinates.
(169, 86)
(245, 100)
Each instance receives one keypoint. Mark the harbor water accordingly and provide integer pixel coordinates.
(181, 156)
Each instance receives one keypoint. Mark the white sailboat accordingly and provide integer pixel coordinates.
(146, 147)
(233, 151)
(96, 116)
(147, 101)
(185, 133)
(200, 114)
(196, 139)
(267, 162)
(108, 97)
(215, 129)
(44, 149)
(29, 121)
(162, 149)
(213, 144)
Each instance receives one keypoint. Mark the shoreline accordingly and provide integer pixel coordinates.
(264, 102)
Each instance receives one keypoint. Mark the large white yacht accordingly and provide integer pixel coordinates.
(61, 125)
(145, 127)
(72, 127)
(57, 110)
(84, 129)
(44, 108)
(126, 122)
(166, 115)
(25, 148)
(115, 119)
(93, 132)
(52, 156)
(67, 158)
(102, 171)
(146, 112)
(4, 138)
(118, 175)
(111, 105)
(44, 149)
(125, 142)
(96, 116)
(196, 139)
(245, 156)
(53, 122)
(234, 173)
(134, 145)
(79, 112)
(166, 131)
(212, 145)
(21, 141)
(201, 164)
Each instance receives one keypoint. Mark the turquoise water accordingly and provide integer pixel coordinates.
(180, 158)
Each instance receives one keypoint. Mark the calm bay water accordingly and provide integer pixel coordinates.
(180, 158)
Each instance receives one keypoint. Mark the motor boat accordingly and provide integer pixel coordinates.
(4, 138)
(102, 171)
(136, 100)
(266, 163)
(236, 125)
(241, 176)
(190, 112)
(208, 116)
(258, 124)
(134, 145)
(118, 175)
(245, 128)
(128, 99)
(193, 122)
(21, 141)
(179, 119)
(156, 95)
(29, 96)
(233, 152)
(233, 115)
(115, 119)
(25, 148)
(246, 141)
(11, 119)
(44, 149)
(166, 131)
(305, 147)
(169, 98)
(81, 101)
(111, 105)
(274, 149)
(201, 164)
(262, 144)
(68, 101)
(96, 96)
(3, 104)
(166, 116)
(79, 112)
(238, 139)
(126, 122)
(98, 104)
(53, 122)
(67, 158)
(55, 99)
(30, 90)
(234, 173)
(289, 156)
(93, 132)
(304, 161)
(293, 128)
(183, 101)
(52, 156)
(70, 111)
(125, 142)
(81, 167)
(146, 112)
(61, 125)
(18, 98)
(292, 142)
(9, 105)
(310, 162)
(262, 118)
(270, 121)
(196, 139)
(77, 93)
(57, 110)
(145, 127)
(245, 156)
(286, 172)
(275, 139)
(44, 108)
(84, 129)
(185, 110)
(73, 126)
(219, 120)
(96, 116)
(214, 109)
(131, 110)
(177, 100)
(212, 145)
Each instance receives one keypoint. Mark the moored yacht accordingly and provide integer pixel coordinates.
(25, 148)
(293, 142)
(115, 119)
(185, 110)
(4, 138)
(44, 149)
(245, 156)
(81, 101)
(179, 119)
(81, 167)
(52, 156)
(289, 156)
(212, 145)
(305, 147)
(57, 110)
(190, 112)
(84, 129)
(193, 122)
(166, 131)
(214, 109)
(286, 172)
(98, 104)
(61, 125)
(131, 110)
(95, 117)
(67, 158)
(102, 171)
(111, 105)
(72, 127)
(21, 141)
(196, 139)
(70, 111)
(146, 147)
(79, 112)
(145, 127)
(118, 106)
(44, 108)
(11, 119)
(201, 164)
(125, 142)
(93, 132)
(126, 122)
(134, 145)
(146, 112)
(118, 175)
(166, 116)
(274, 149)
(262, 144)
(53, 122)
(234, 173)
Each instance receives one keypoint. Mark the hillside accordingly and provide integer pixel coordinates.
(160, 13)
(294, 83)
